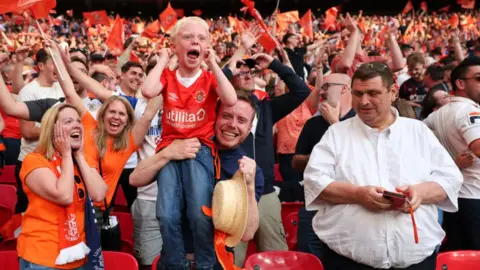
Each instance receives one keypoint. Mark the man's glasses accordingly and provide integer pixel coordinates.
(377, 66)
(327, 85)
(243, 74)
(476, 78)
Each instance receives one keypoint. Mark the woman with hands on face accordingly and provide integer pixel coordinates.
(56, 178)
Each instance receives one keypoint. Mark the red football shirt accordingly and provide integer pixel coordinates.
(188, 112)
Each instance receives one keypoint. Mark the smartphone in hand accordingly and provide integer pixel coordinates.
(398, 199)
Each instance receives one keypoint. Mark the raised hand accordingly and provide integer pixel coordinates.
(60, 140)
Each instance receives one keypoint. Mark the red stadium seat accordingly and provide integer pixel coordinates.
(127, 247)
(276, 172)
(8, 200)
(290, 207)
(251, 249)
(120, 204)
(283, 260)
(126, 225)
(155, 262)
(291, 229)
(7, 175)
(119, 260)
(9, 260)
(459, 260)
(9, 245)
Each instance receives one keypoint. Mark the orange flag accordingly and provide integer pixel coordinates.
(41, 10)
(114, 41)
(361, 25)
(168, 18)
(268, 42)
(197, 12)
(424, 6)
(138, 28)
(97, 17)
(444, 9)
(331, 17)
(286, 18)
(15, 5)
(454, 21)
(235, 24)
(180, 12)
(306, 24)
(408, 7)
(152, 29)
(468, 4)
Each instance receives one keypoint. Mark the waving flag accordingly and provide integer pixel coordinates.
(268, 42)
(152, 29)
(41, 9)
(97, 17)
(306, 24)
(286, 18)
(168, 18)
(424, 6)
(408, 7)
(7, 6)
(114, 41)
(331, 17)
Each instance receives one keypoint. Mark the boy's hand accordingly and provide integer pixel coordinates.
(210, 57)
(164, 56)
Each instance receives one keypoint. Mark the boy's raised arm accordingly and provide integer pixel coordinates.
(225, 90)
(152, 86)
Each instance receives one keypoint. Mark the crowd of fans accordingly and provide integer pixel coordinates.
(330, 109)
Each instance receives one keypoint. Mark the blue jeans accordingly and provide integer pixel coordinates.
(186, 185)
(26, 265)
(307, 239)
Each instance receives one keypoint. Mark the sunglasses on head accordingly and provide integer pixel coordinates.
(377, 66)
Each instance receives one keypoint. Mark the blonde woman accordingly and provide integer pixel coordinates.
(56, 178)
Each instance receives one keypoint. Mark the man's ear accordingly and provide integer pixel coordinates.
(394, 91)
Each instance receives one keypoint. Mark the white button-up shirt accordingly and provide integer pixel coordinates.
(456, 125)
(405, 153)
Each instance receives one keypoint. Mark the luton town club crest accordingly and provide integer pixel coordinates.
(199, 96)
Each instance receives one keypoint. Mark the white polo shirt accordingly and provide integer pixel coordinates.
(456, 125)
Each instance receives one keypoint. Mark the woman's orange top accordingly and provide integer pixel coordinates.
(113, 161)
(38, 240)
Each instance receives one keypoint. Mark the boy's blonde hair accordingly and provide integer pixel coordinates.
(179, 25)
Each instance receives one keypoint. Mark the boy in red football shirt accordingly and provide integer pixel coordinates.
(190, 95)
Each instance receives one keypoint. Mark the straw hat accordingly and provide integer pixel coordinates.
(230, 208)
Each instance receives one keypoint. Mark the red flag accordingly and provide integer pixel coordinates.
(424, 6)
(235, 24)
(168, 18)
(286, 18)
(152, 29)
(134, 57)
(180, 12)
(444, 9)
(408, 7)
(138, 28)
(41, 10)
(268, 42)
(97, 17)
(468, 4)
(454, 21)
(331, 17)
(306, 24)
(197, 12)
(114, 41)
(361, 25)
(15, 5)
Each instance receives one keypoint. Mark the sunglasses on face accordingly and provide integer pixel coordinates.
(476, 78)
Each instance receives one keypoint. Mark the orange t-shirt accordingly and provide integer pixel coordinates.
(112, 161)
(188, 112)
(38, 240)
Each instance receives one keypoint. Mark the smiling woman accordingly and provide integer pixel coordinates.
(56, 178)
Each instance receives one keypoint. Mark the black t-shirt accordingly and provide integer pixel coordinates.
(297, 59)
(413, 90)
(313, 132)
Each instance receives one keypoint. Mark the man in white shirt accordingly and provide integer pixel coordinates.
(45, 86)
(360, 158)
(457, 127)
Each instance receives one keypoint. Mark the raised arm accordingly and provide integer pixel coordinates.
(142, 125)
(66, 83)
(396, 54)
(86, 81)
(225, 90)
(152, 86)
(346, 58)
(147, 169)
(10, 105)
(17, 78)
